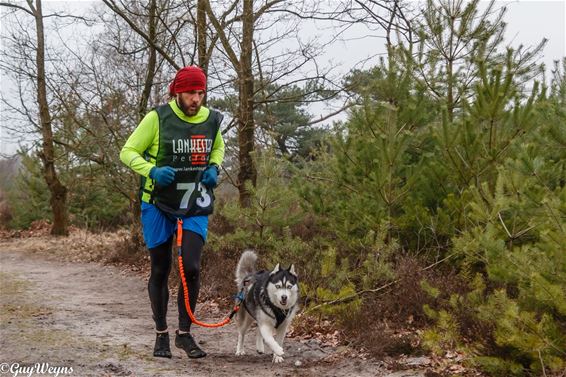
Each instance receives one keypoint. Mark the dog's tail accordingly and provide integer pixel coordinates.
(246, 266)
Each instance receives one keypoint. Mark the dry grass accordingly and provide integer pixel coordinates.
(11, 285)
(389, 323)
(14, 308)
(79, 246)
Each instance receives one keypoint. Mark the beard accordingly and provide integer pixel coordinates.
(188, 109)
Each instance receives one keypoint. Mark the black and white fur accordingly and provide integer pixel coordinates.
(271, 299)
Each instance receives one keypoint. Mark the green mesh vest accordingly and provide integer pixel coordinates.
(185, 147)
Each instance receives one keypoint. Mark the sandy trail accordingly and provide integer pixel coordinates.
(95, 319)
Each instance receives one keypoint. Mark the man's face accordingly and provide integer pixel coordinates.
(190, 102)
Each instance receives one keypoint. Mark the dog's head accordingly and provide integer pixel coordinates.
(283, 287)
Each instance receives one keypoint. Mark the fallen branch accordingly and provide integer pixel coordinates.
(374, 290)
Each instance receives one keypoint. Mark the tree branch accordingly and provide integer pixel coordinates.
(134, 27)
(220, 32)
(10, 5)
(375, 290)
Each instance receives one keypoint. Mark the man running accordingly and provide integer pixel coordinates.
(177, 149)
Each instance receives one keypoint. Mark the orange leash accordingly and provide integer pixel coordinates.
(186, 291)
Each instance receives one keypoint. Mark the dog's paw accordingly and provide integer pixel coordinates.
(240, 353)
(278, 354)
(278, 350)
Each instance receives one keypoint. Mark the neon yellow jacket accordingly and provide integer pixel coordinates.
(146, 138)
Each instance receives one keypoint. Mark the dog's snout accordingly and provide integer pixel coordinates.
(284, 298)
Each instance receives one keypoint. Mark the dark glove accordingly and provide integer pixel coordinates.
(164, 175)
(210, 176)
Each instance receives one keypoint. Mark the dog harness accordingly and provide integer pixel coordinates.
(280, 314)
(261, 299)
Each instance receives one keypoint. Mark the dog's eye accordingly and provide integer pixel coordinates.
(278, 286)
(289, 286)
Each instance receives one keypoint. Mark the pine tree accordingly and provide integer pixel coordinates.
(358, 189)
(515, 233)
(453, 34)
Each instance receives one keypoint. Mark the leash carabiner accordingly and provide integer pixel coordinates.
(179, 244)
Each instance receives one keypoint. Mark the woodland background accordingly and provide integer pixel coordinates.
(431, 219)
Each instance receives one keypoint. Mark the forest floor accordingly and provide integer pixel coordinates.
(59, 306)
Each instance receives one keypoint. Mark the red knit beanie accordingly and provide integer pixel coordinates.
(187, 79)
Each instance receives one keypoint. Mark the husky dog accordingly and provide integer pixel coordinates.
(270, 298)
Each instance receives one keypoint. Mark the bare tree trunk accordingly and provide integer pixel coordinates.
(58, 191)
(201, 39)
(152, 61)
(246, 126)
(201, 36)
(135, 230)
(247, 173)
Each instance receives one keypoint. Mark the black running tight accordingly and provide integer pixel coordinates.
(161, 260)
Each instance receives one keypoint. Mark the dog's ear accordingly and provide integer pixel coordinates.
(292, 270)
(276, 269)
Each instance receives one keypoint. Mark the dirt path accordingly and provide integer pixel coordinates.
(96, 320)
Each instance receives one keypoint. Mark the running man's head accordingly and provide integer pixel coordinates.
(189, 88)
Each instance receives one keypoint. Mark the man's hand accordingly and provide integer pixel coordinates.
(164, 175)
(210, 176)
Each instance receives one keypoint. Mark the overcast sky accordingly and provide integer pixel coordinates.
(528, 22)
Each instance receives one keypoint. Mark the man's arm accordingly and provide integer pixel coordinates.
(139, 141)
(217, 153)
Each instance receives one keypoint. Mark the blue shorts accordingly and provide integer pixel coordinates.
(157, 228)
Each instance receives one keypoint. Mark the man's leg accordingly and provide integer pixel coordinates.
(161, 259)
(192, 250)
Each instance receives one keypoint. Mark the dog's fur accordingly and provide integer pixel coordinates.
(271, 299)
